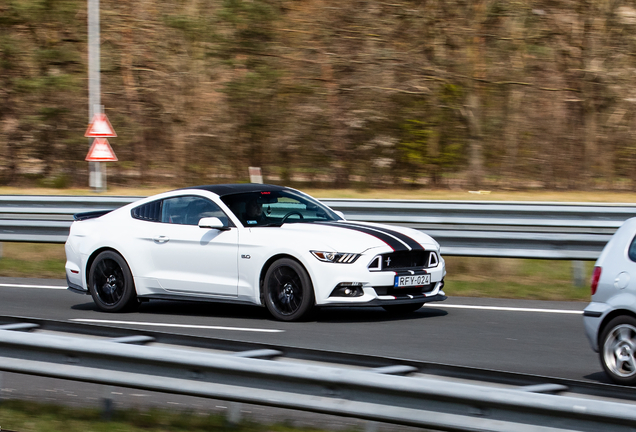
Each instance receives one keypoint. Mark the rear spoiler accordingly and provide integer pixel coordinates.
(90, 215)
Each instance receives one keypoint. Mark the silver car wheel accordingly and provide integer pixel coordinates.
(619, 350)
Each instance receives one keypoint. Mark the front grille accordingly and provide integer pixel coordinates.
(406, 260)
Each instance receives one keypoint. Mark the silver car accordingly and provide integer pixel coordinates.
(610, 319)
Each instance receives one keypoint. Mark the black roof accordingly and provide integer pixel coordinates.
(229, 189)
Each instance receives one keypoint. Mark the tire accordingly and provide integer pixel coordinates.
(618, 350)
(289, 293)
(110, 283)
(403, 308)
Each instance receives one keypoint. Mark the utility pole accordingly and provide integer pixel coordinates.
(95, 178)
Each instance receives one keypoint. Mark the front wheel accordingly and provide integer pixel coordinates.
(289, 294)
(618, 350)
(111, 283)
(403, 308)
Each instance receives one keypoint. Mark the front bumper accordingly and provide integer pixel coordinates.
(376, 286)
(395, 301)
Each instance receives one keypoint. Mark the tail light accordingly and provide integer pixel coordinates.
(596, 275)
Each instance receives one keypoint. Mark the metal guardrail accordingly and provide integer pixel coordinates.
(337, 358)
(47, 219)
(570, 231)
(574, 231)
(372, 394)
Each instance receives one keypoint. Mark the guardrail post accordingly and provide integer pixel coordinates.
(107, 403)
(371, 426)
(578, 274)
(234, 413)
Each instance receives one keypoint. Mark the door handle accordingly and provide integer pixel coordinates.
(161, 239)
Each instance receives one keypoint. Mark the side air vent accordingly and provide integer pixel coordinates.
(376, 264)
(148, 212)
(433, 260)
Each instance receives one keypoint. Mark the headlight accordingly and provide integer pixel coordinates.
(336, 257)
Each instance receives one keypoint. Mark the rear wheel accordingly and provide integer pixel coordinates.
(618, 350)
(403, 308)
(111, 283)
(289, 294)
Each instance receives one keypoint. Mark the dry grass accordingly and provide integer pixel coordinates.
(402, 194)
(426, 194)
(117, 191)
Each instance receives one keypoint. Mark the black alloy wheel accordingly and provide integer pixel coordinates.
(289, 294)
(111, 283)
(403, 308)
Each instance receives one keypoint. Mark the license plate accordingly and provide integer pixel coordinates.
(412, 280)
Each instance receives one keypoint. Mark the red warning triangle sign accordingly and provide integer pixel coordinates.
(100, 127)
(101, 151)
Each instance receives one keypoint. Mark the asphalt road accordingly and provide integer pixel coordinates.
(534, 337)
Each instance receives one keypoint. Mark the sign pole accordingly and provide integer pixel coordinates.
(95, 179)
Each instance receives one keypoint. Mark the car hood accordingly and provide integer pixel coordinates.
(349, 236)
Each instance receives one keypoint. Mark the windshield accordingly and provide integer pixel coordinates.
(276, 208)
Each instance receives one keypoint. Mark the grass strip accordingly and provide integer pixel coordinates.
(32, 260)
(466, 276)
(26, 416)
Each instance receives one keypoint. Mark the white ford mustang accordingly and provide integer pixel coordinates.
(249, 243)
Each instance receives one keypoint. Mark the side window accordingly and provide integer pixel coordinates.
(632, 250)
(187, 210)
(149, 212)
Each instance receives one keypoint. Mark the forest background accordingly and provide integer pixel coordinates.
(427, 93)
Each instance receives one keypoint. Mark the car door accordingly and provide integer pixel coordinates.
(192, 260)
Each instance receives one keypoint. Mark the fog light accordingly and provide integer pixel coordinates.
(348, 289)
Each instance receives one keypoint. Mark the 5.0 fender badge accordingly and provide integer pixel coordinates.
(246, 256)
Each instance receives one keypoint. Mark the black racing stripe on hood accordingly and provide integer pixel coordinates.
(413, 244)
(393, 243)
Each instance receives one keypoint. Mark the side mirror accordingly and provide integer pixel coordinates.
(341, 214)
(212, 222)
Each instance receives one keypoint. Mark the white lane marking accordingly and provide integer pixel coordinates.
(498, 308)
(511, 309)
(33, 286)
(176, 325)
